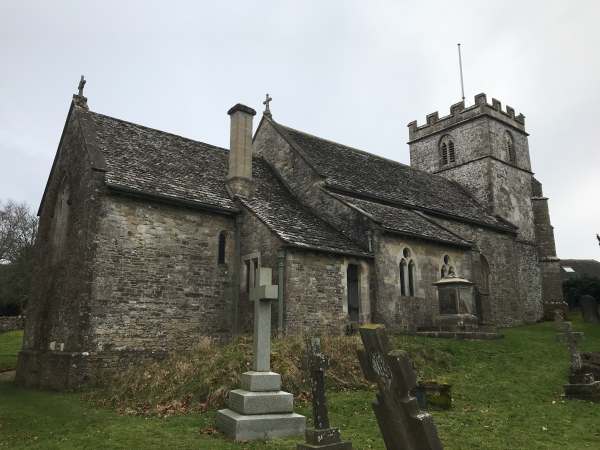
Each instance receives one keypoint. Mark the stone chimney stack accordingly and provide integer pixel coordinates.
(239, 177)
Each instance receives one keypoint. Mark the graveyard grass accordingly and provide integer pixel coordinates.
(507, 394)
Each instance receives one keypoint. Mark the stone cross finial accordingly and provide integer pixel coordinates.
(81, 86)
(262, 297)
(267, 111)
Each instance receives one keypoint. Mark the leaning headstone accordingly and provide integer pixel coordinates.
(589, 309)
(402, 424)
(322, 436)
(261, 410)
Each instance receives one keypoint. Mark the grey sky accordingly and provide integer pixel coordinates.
(353, 71)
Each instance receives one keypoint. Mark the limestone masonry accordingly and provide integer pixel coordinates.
(149, 241)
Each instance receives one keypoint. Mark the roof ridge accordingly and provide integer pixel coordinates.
(154, 129)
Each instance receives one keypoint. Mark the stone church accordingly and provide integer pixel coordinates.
(149, 241)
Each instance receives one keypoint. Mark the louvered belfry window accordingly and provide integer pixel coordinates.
(451, 154)
(444, 154)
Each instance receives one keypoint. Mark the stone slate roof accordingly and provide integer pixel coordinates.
(352, 170)
(275, 206)
(404, 221)
(154, 162)
(581, 267)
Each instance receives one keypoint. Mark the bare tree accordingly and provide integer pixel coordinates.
(18, 228)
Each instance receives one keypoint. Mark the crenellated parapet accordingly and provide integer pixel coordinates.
(459, 114)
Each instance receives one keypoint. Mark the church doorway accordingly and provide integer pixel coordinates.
(353, 291)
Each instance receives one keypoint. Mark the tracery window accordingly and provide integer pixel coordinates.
(407, 274)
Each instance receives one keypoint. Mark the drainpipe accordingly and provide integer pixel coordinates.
(280, 290)
(235, 289)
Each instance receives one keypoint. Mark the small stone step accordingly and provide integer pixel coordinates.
(246, 402)
(261, 426)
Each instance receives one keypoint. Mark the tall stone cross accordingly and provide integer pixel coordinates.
(266, 103)
(262, 297)
(317, 363)
(81, 86)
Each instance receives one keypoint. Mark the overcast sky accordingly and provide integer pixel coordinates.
(353, 71)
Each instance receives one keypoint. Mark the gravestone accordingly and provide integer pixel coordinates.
(322, 436)
(581, 382)
(260, 409)
(402, 424)
(589, 309)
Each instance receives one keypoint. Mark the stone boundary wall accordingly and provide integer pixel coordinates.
(11, 323)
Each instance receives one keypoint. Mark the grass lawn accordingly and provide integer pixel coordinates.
(507, 395)
(10, 344)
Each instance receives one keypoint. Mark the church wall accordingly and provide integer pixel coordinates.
(316, 291)
(478, 186)
(256, 241)
(305, 184)
(507, 298)
(530, 281)
(512, 197)
(157, 284)
(408, 313)
(57, 316)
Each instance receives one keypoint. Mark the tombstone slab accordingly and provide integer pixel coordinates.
(403, 425)
(261, 410)
(589, 309)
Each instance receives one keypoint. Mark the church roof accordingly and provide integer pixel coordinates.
(275, 206)
(149, 161)
(142, 160)
(404, 221)
(359, 173)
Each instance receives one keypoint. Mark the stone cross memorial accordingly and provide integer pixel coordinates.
(571, 338)
(322, 436)
(260, 409)
(403, 425)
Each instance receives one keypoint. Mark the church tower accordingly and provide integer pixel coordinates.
(485, 149)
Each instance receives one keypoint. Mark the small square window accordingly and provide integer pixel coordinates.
(568, 269)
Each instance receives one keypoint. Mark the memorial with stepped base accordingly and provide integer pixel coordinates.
(260, 409)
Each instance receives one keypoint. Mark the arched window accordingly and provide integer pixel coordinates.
(222, 247)
(403, 278)
(447, 151)
(510, 147)
(407, 274)
(444, 154)
(411, 278)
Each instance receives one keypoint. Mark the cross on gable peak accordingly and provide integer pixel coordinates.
(267, 111)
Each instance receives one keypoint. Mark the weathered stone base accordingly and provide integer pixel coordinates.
(261, 381)
(476, 335)
(247, 402)
(51, 369)
(328, 438)
(259, 426)
(589, 392)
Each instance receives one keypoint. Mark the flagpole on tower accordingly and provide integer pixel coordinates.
(462, 85)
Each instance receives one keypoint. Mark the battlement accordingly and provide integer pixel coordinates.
(458, 113)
